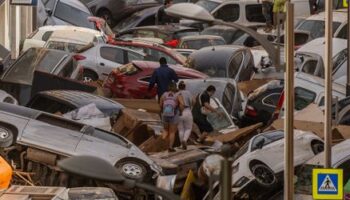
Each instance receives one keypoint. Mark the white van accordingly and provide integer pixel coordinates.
(43, 34)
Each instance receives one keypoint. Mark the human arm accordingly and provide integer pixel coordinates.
(174, 76)
(152, 81)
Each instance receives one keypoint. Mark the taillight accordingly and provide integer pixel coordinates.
(172, 43)
(78, 57)
(250, 111)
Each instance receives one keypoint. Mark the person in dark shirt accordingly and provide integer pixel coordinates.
(161, 17)
(162, 76)
(200, 110)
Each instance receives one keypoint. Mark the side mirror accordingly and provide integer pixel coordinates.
(260, 144)
(48, 11)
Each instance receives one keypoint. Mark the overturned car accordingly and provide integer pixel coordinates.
(34, 141)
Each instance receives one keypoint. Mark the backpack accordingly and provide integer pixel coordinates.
(169, 104)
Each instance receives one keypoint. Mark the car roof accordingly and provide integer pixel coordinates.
(154, 65)
(316, 46)
(338, 16)
(166, 28)
(201, 37)
(222, 54)
(80, 99)
(319, 81)
(339, 152)
(77, 4)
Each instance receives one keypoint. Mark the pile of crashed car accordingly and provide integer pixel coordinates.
(79, 87)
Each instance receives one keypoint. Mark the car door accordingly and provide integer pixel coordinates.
(235, 65)
(52, 133)
(109, 58)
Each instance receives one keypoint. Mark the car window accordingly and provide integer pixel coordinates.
(303, 97)
(339, 59)
(64, 46)
(235, 64)
(181, 34)
(112, 54)
(228, 13)
(145, 33)
(72, 15)
(316, 27)
(33, 59)
(46, 36)
(227, 99)
(309, 67)
(268, 138)
(148, 21)
(155, 55)
(134, 56)
(50, 4)
(68, 69)
(343, 33)
(106, 136)
(256, 141)
(218, 122)
(129, 69)
(208, 5)
(271, 100)
(254, 13)
(51, 106)
(244, 149)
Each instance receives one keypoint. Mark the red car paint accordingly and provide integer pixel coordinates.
(125, 84)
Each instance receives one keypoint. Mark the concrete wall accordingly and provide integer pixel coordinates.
(15, 25)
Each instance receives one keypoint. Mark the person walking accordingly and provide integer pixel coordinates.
(162, 76)
(185, 120)
(170, 104)
(161, 17)
(267, 11)
(201, 109)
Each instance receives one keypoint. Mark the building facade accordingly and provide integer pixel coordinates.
(15, 24)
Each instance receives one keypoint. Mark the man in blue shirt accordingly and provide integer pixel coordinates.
(162, 76)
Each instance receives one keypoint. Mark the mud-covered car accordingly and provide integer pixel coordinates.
(35, 141)
(260, 162)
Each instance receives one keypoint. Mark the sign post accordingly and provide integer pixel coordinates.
(327, 184)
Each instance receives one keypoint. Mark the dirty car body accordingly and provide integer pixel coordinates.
(226, 61)
(258, 162)
(132, 80)
(36, 133)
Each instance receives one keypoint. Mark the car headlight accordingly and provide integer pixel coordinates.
(235, 168)
(242, 181)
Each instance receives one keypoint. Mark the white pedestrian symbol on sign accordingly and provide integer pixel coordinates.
(327, 185)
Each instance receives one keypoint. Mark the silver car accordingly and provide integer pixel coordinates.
(101, 59)
(45, 139)
(63, 12)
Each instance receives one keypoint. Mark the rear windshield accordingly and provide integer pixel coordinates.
(198, 44)
(33, 59)
(229, 35)
(73, 15)
(316, 27)
(208, 5)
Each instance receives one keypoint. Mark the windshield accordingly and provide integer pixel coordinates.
(73, 15)
(212, 70)
(316, 27)
(229, 35)
(198, 44)
(127, 22)
(241, 151)
(33, 59)
(303, 183)
(208, 5)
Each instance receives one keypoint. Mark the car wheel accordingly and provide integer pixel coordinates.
(107, 16)
(317, 147)
(132, 168)
(263, 174)
(6, 137)
(89, 76)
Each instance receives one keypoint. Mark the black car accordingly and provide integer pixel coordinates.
(17, 80)
(262, 102)
(224, 61)
(63, 101)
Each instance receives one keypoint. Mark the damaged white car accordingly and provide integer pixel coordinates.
(258, 163)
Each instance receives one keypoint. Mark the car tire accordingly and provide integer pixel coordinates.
(107, 16)
(133, 169)
(6, 137)
(89, 76)
(263, 174)
(317, 146)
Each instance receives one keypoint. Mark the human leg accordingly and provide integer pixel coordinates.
(172, 133)
(181, 128)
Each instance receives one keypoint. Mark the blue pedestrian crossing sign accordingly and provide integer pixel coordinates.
(327, 184)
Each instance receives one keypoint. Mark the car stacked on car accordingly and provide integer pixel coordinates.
(80, 88)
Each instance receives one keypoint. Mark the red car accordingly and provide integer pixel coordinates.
(132, 80)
